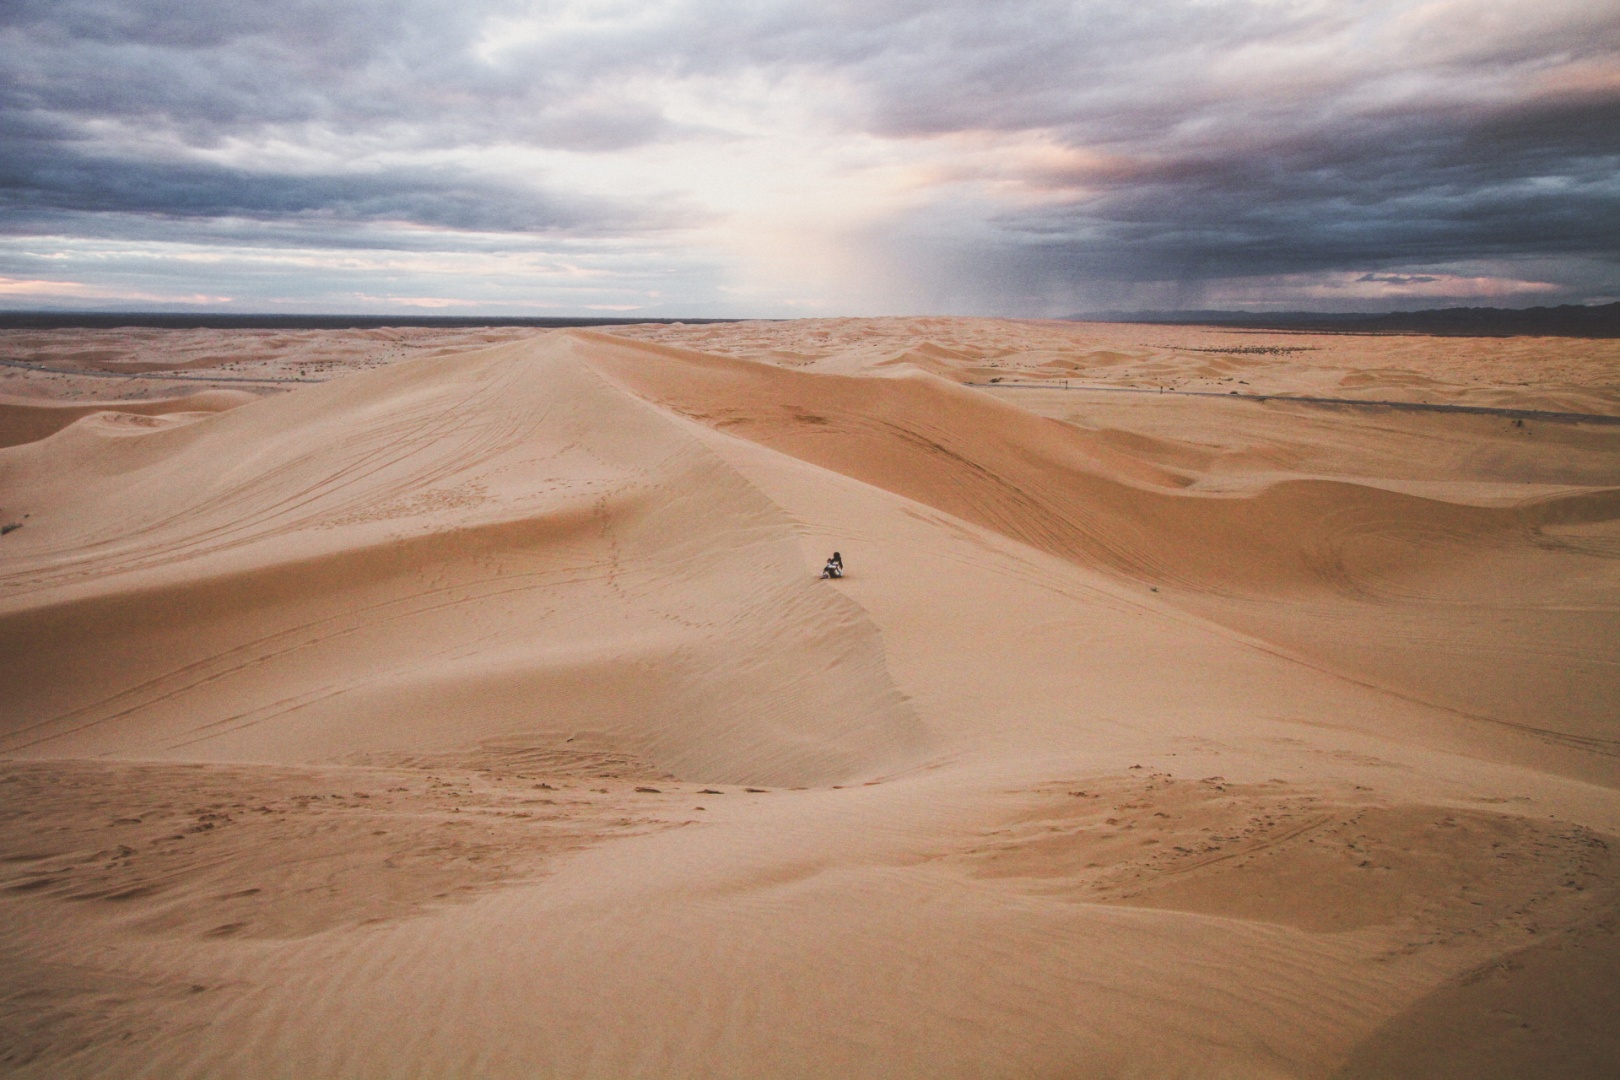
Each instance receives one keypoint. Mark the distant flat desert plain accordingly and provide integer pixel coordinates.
(468, 703)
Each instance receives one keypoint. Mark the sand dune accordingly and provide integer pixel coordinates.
(261, 353)
(471, 542)
(23, 420)
(1281, 544)
(482, 714)
(1069, 492)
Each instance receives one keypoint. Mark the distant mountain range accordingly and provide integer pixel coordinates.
(1566, 320)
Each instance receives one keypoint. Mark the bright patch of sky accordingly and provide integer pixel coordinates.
(708, 158)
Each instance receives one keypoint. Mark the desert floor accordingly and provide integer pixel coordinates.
(466, 703)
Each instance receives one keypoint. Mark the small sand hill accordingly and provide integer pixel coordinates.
(23, 420)
(442, 552)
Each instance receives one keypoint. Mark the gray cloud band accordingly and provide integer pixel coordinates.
(58, 183)
(1224, 139)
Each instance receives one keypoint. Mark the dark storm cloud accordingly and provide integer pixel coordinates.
(1213, 139)
(44, 188)
(113, 108)
(1370, 192)
(1231, 140)
(405, 73)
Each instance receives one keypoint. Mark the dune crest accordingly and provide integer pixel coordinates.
(1079, 494)
(1380, 565)
(495, 545)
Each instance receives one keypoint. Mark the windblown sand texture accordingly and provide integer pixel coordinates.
(478, 711)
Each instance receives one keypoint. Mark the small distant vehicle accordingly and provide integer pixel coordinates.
(834, 567)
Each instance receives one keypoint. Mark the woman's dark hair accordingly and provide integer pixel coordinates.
(837, 556)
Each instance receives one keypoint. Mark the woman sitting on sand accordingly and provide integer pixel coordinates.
(834, 567)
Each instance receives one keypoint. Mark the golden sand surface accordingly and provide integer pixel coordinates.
(473, 706)
(252, 361)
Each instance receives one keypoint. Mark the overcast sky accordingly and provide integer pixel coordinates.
(702, 157)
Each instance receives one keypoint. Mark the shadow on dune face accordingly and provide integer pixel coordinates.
(1082, 495)
(421, 558)
(23, 421)
(1453, 603)
(1546, 1010)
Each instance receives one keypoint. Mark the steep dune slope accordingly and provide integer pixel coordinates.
(494, 546)
(1075, 493)
(1459, 603)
